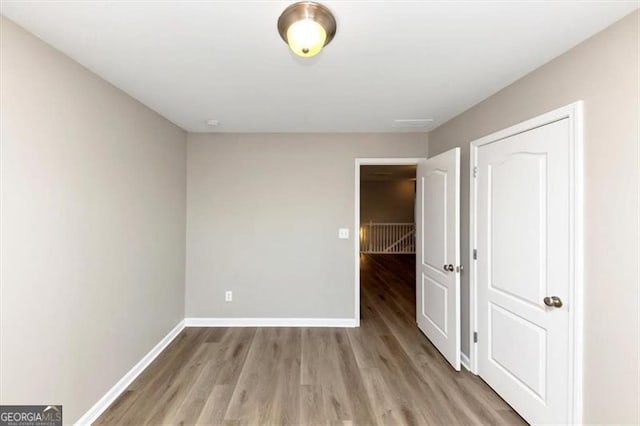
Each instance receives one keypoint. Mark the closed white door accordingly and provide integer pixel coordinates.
(438, 252)
(523, 269)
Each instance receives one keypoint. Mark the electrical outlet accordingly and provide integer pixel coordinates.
(228, 296)
(343, 233)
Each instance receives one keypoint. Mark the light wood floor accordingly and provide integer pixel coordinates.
(385, 372)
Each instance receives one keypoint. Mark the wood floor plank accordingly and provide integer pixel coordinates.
(189, 410)
(312, 405)
(384, 404)
(352, 378)
(385, 372)
(215, 407)
(268, 388)
(173, 396)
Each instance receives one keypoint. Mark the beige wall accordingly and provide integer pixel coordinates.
(602, 71)
(93, 228)
(391, 201)
(263, 212)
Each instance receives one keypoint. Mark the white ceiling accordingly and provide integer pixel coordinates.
(196, 60)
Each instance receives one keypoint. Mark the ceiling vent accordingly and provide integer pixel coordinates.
(412, 122)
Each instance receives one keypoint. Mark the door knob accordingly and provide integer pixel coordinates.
(449, 268)
(553, 301)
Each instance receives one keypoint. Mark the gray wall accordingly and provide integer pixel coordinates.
(391, 201)
(263, 212)
(602, 71)
(93, 228)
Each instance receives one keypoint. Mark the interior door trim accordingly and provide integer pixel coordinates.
(388, 161)
(574, 113)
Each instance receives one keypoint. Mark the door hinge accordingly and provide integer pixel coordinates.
(475, 337)
(475, 171)
(475, 254)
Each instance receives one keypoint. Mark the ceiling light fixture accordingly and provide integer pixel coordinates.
(307, 27)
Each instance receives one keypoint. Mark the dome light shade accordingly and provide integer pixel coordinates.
(306, 37)
(306, 27)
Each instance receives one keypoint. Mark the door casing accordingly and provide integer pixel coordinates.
(574, 113)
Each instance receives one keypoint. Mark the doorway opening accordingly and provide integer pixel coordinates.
(385, 194)
(387, 233)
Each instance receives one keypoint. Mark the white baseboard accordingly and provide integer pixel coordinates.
(270, 322)
(464, 360)
(104, 402)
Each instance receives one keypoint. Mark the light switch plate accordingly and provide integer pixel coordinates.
(343, 233)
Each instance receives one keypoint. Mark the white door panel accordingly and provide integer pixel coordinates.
(435, 303)
(523, 234)
(435, 214)
(438, 245)
(512, 211)
(511, 331)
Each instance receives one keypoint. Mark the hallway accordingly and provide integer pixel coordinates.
(385, 372)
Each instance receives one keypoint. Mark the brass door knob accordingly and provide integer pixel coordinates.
(552, 301)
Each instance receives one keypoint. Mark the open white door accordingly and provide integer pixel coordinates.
(438, 252)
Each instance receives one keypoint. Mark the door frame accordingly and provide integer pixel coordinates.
(574, 113)
(389, 161)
